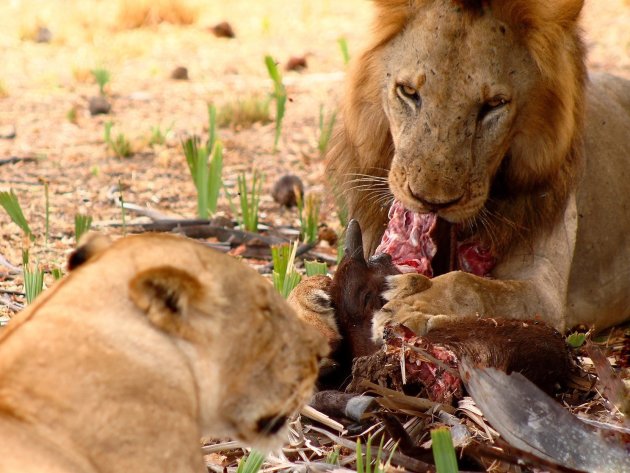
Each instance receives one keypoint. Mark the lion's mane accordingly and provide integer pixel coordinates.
(530, 190)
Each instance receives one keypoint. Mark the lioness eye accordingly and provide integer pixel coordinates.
(491, 105)
(408, 93)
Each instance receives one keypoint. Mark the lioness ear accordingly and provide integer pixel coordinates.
(165, 293)
(90, 245)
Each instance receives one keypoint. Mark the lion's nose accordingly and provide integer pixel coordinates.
(270, 425)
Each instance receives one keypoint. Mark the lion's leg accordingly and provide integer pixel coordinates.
(458, 295)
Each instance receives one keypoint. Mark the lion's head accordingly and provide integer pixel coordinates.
(253, 362)
(471, 109)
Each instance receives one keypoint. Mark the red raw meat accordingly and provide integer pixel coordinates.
(410, 240)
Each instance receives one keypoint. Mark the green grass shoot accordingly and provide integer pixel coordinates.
(119, 145)
(10, 203)
(244, 112)
(33, 278)
(285, 277)
(308, 211)
(158, 137)
(82, 224)
(345, 53)
(279, 95)
(333, 457)
(325, 129)
(314, 268)
(364, 464)
(249, 200)
(205, 171)
(71, 115)
(576, 339)
(443, 451)
(252, 463)
(57, 273)
(102, 77)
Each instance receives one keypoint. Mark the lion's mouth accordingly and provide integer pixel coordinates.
(429, 245)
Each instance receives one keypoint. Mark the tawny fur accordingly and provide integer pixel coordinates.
(144, 348)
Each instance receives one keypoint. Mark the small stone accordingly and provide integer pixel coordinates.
(43, 35)
(179, 73)
(99, 105)
(285, 189)
(222, 221)
(222, 30)
(296, 63)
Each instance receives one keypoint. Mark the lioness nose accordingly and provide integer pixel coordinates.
(271, 424)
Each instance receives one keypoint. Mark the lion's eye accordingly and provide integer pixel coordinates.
(408, 93)
(491, 105)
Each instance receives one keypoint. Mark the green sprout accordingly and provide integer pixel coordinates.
(285, 277)
(10, 203)
(314, 268)
(345, 53)
(250, 200)
(102, 77)
(443, 451)
(279, 95)
(158, 137)
(82, 224)
(206, 173)
(325, 129)
(243, 113)
(252, 463)
(33, 279)
(120, 145)
(308, 211)
(576, 339)
(364, 464)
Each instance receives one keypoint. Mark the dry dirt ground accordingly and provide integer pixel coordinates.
(41, 83)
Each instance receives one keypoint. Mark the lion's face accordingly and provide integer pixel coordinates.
(254, 363)
(453, 86)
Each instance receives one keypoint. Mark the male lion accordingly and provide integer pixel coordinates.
(480, 114)
(147, 345)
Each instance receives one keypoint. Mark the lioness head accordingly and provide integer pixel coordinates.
(467, 105)
(254, 362)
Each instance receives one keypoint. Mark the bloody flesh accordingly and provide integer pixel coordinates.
(411, 240)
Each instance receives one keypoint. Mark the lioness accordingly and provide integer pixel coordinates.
(147, 345)
(480, 114)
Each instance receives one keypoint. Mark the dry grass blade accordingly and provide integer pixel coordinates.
(398, 401)
(314, 414)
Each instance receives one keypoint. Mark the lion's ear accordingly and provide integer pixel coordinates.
(165, 294)
(567, 11)
(90, 245)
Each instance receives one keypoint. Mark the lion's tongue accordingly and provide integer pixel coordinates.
(411, 240)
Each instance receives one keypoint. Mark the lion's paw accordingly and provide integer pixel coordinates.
(400, 286)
